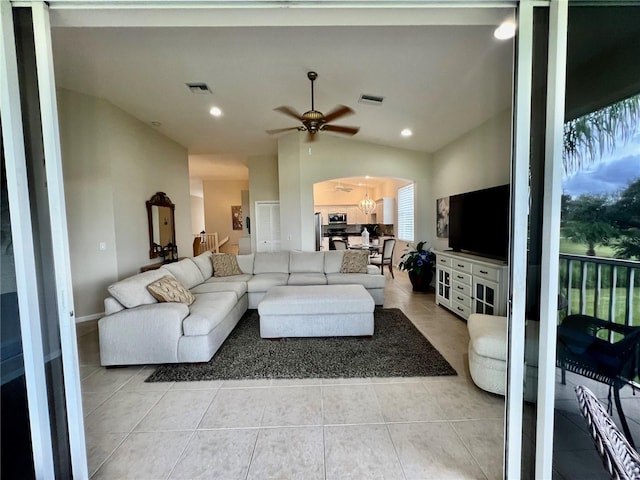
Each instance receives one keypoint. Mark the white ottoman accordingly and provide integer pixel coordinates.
(316, 311)
(488, 354)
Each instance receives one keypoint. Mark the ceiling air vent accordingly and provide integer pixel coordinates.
(198, 88)
(371, 99)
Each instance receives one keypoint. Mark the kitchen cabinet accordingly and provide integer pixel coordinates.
(386, 210)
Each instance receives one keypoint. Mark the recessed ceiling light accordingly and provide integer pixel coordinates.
(505, 31)
(215, 111)
(406, 132)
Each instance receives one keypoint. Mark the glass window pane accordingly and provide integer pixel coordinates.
(15, 443)
(600, 189)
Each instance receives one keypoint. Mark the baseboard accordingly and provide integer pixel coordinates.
(88, 318)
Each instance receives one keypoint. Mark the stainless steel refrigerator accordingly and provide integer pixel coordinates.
(317, 222)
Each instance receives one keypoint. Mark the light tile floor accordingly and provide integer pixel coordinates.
(366, 428)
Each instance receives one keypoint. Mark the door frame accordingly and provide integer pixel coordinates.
(277, 13)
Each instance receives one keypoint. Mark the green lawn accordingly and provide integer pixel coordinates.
(605, 297)
(568, 246)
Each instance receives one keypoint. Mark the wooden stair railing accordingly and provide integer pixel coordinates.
(207, 241)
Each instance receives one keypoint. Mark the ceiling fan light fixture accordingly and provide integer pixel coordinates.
(314, 121)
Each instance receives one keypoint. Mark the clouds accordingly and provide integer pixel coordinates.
(607, 177)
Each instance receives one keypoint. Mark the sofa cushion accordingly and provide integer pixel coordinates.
(306, 262)
(225, 265)
(307, 279)
(333, 261)
(132, 291)
(208, 310)
(245, 262)
(243, 277)
(272, 262)
(364, 279)
(203, 262)
(169, 289)
(355, 261)
(185, 271)
(262, 282)
(239, 288)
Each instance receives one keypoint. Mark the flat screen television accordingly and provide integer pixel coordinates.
(479, 222)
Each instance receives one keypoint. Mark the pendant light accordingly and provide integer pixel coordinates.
(366, 205)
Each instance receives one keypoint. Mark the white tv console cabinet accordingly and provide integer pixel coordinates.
(467, 284)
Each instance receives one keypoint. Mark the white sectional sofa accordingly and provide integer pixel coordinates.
(137, 329)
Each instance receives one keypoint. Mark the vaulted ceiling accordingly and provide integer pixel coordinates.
(438, 80)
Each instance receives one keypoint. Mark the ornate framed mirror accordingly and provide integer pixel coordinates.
(162, 226)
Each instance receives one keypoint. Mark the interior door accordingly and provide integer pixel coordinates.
(268, 227)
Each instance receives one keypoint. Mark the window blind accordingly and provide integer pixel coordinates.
(405, 213)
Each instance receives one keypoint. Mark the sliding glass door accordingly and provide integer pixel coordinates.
(599, 251)
(542, 280)
(41, 408)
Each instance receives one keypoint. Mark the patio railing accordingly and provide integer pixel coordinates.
(605, 288)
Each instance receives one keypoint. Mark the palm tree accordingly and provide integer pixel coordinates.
(588, 138)
(588, 221)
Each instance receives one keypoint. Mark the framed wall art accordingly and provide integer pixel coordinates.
(442, 217)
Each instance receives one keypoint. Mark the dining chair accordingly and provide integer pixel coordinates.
(618, 456)
(340, 244)
(387, 256)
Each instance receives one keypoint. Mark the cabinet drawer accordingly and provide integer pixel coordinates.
(483, 271)
(461, 298)
(461, 277)
(461, 265)
(444, 261)
(462, 288)
(460, 309)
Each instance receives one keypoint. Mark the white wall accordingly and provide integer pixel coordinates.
(197, 214)
(479, 159)
(112, 165)
(302, 164)
(263, 185)
(219, 196)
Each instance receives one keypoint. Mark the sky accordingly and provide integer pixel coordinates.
(610, 175)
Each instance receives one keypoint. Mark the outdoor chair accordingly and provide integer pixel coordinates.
(387, 256)
(584, 348)
(618, 456)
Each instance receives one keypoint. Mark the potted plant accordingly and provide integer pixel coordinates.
(419, 262)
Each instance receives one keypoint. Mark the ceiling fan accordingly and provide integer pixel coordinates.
(314, 121)
(342, 188)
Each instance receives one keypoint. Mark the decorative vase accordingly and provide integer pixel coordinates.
(422, 282)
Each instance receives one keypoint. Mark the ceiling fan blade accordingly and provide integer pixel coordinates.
(280, 130)
(289, 111)
(339, 111)
(339, 129)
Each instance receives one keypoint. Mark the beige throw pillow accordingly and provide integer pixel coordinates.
(168, 289)
(355, 261)
(225, 264)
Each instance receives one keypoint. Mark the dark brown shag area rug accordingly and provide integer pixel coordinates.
(397, 349)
